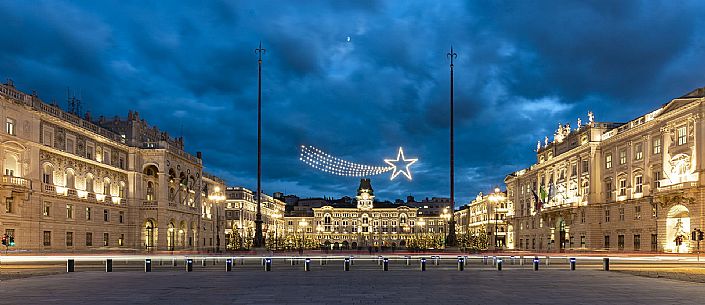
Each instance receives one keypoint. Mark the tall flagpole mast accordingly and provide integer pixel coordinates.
(450, 241)
(258, 242)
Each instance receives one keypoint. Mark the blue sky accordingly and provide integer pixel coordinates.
(522, 68)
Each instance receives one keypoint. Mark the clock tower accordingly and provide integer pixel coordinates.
(365, 194)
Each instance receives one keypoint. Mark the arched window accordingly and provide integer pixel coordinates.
(402, 218)
(10, 165)
(70, 179)
(150, 191)
(89, 183)
(121, 189)
(48, 174)
(171, 232)
(327, 219)
(106, 187)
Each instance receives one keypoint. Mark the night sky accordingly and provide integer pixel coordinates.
(358, 79)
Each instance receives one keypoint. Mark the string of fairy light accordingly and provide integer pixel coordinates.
(322, 161)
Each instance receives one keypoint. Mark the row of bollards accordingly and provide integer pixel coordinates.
(383, 261)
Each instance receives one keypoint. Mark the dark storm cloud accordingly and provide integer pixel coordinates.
(522, 67)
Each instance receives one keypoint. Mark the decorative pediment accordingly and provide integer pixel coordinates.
(667, 200)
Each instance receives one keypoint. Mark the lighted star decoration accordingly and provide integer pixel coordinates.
(405, 163)
(324, 162)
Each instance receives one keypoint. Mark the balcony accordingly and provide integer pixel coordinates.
(16, 183)
(150, 204)
(62, 191)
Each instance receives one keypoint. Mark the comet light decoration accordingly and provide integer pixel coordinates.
(326, 163)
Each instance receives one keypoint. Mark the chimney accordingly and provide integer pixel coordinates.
(199, 155)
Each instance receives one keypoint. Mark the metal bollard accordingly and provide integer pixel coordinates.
(307, 264)
(572, 264)
(292, 261)
(228, 265)
(173, 262)
(408, 260)
(203, 262)
(499, 264)
(385, 264)
(109, 265)
(435, 260)
(379, 260)
(346, 264)
(352, 260)
(423, 264)
(521, 260)
(461, 263)
(606, 264)
(484, 260)
(267, 264)
(189, 264)
(465, 260)
(215, 260)
(494, 261)
(548, 260)
(161, 262)
(513, 258)
(536, 263)
(148, 265)
(70, 265)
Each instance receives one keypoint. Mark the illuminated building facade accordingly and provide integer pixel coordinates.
(631, 186)
(71, 183)
(240, 211)
(366, 223)
(486, 214)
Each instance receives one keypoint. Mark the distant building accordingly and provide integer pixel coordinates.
(366, 223)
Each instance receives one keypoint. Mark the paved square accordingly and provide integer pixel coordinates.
(354, 287)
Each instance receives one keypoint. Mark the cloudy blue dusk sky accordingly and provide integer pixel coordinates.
(358, 79)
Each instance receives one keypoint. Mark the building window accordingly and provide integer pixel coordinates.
(586, 166)
(47, 238)
(637, 212)
(620, 242)
(682, 135)
(48, 136)
(639, 151)
(657, 180)
(582, 241)
(150, 191)
(639, 184)
(89, 239)
(47, 209)
(90, 150)
(637, 242)
(607, 215)
(622, 187)
(106, 215)
(69, 239)
(608, 188)
(121, 240)
(656, 146)
(9, 205)
(621, 214)
(10, 126)
(574, 170)
(122, 217)
(654, 242)
(69, 211)
(582, 216)
(71, 144)
(106, 239)
(608, 161)
(607, 242)
(622, 156)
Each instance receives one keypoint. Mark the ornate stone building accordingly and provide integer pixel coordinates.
(240, 214)
(367, 223)
(74, 184)
(487, 214)
(633, 186)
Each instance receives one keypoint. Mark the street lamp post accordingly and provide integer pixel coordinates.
(303, 223)
(259, 239)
